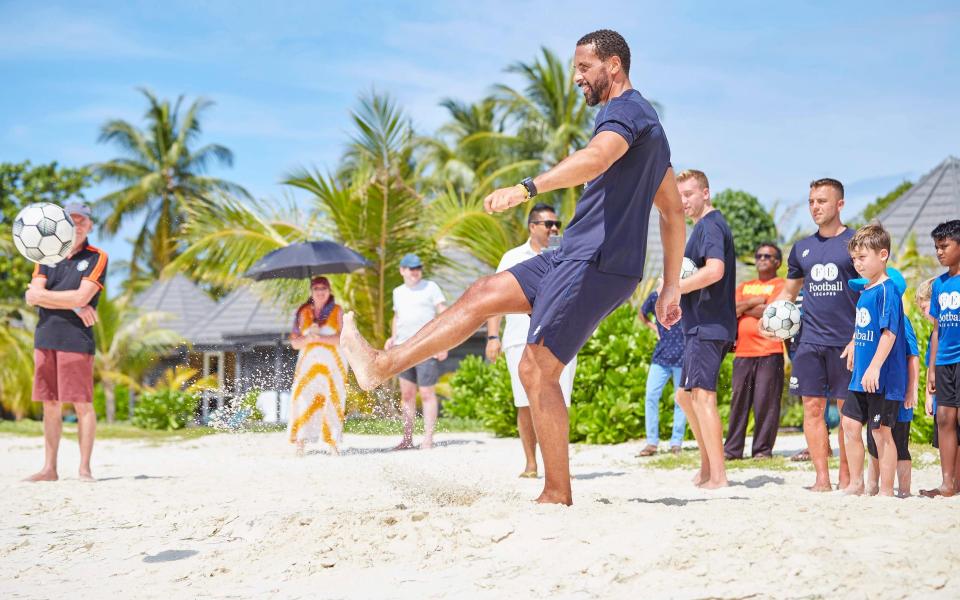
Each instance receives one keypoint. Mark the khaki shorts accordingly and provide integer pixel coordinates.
(62, 376)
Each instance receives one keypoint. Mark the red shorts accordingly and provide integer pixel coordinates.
(63, 376)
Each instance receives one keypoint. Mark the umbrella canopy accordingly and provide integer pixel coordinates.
(307, 259)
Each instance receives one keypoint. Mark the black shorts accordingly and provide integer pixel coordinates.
(872, 410)
(568, 299)
(901, 437)
(701, 362)
(819, 372)
(948, 385)
(936, 431)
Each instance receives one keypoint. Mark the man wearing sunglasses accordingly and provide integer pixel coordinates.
(542, 223)
(758, 362)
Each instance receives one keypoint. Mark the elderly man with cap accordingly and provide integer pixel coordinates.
(416, 303)
(66, 294)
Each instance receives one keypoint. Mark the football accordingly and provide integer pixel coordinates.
(43, 233)
(782, 319)
(687, 268)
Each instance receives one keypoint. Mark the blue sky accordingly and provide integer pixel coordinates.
(762, 96)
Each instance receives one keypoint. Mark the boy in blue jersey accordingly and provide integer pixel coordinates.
(878, 361)
(944, 379)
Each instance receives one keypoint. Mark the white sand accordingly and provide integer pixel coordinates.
(237, 516)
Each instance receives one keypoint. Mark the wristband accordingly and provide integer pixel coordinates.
(493, 337)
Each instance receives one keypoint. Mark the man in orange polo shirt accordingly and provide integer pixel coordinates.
(758, 362)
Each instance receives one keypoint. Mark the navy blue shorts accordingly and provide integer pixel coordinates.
(820, 372)
(569, 298)
(701, 362)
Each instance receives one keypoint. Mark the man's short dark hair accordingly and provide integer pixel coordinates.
(776, 249)
(948, 230)
(827, 182)
(608, 43)
(538, 208)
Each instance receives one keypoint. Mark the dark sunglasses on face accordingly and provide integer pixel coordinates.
(549, 224)
(759, 256)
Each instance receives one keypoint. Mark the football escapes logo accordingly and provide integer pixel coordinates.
(949, 301)
(825, 279)
(863, 320)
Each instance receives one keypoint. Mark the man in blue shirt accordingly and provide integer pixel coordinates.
(626, 170)
(709, 308)
(820, 265)
(944, 378)
(877, 359)
(666, 362)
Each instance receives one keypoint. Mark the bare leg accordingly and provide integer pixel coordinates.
(428, 395)
(852, 431)
(947, 431)
(528, 439)
(52, 430)
(904, 475)
(408, 408)
(494, 295)
(540, 373)
(872, 485)
(705, 405)
(685, 399)
(815, 431)
(887, 449)
(301, 447)
(86, 431)
(844, 474)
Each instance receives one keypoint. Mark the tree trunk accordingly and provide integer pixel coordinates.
(110, 400)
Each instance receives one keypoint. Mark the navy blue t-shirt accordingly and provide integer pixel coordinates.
(945, 308)
(829, 305)
(669, 349)
(710, 313)
(610, 223)
(880, 309)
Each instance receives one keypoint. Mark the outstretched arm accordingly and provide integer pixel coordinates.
(580, 167)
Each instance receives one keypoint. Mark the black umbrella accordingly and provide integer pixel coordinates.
(307, 259)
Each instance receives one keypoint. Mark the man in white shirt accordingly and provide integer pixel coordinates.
(416, 303)
(542, 222)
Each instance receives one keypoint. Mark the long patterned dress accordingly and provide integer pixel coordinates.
(319, 384)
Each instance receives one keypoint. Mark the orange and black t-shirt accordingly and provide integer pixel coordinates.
(749, 340)
(62, 329)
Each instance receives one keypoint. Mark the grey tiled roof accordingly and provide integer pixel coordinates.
(934, 199)
(243, 316)
(183, 303)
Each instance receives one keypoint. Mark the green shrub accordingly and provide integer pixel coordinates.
(482, 391)
(122, 399)
(164, 409)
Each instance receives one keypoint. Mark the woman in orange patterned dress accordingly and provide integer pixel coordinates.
(319, 385)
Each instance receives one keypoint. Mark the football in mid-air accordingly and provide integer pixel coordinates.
(43, 233)
(687, 268)
(782, 319)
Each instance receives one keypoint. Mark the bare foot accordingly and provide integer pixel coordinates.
(819, 487)
(360, 355)
(853, 490)
(426, 444)
(86, 475)
(871, 490)
(714, 485)
(404, 445)
(699, 478)
(44, 475)
(552, 497)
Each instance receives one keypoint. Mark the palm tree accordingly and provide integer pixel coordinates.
(127, 342)
(16, 356)
(162, 174)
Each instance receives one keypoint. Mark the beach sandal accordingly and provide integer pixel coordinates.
(648, 450)
(528, 475)
(802, 456)
(676, 450)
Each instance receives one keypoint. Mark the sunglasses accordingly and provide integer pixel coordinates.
(765, 256)
(548, 224)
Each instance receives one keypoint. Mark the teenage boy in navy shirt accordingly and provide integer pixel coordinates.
(878, 361)
(708, 302)
(820, 265)
(944, 379)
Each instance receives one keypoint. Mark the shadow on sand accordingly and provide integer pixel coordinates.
(759, 481)
(136, 477)
(366, 451)
(598, 475)
(168, 556)
(681, 501)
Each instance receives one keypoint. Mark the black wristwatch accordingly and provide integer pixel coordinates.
(531, 188)
(493, 337)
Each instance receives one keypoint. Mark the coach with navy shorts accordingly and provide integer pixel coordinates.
(66, 294)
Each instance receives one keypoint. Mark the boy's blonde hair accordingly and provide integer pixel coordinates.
(925, 290)
(700, 176)
(870, 237)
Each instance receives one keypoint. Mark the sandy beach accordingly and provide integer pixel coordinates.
(238, 516)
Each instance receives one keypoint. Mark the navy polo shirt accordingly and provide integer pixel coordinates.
(610, 223)
(710, 313)
(669, 349)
